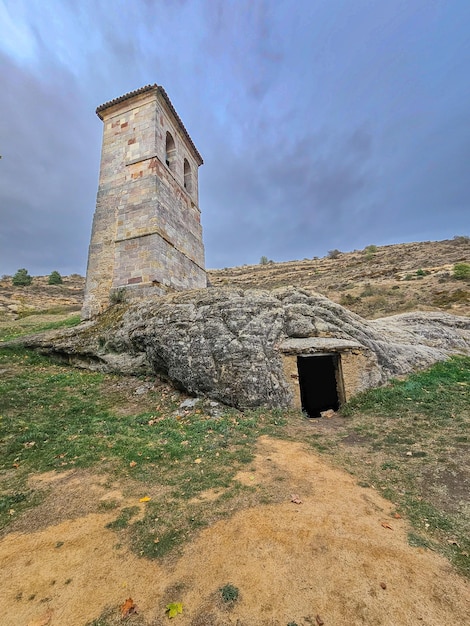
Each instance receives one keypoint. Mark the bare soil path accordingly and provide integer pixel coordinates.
(340, 557)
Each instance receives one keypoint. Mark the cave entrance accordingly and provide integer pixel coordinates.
(321, 383)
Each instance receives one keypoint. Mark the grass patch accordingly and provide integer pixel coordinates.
(79, 421)
(411, 433)
(19, 329)
(122, 521)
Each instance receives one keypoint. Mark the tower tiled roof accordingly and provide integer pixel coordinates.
(159, 89)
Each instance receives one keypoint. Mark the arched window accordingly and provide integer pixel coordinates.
(170, 152)
(187, 176)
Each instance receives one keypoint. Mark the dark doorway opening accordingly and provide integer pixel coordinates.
(320, 383)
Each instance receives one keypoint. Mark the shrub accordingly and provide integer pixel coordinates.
(264, 260)
(421, 272)
(55, 278)
(229, 593)
(368, 291)
(22, 278)
(334, 254)
(118, 296)
(347, 299)
(370, 251)
(461, 271)
(462, 239)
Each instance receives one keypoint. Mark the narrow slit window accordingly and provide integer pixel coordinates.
(170, 152)
(187, 176)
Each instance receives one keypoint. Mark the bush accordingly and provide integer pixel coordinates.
(348, 299)
(118, 296)
(229, 593)
(461, 271)
(55, 278)
(334, 254)
(22, 278)
(462, 239)
(370, 251)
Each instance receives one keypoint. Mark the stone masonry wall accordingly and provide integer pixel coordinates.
(146, 229)
(146, 234)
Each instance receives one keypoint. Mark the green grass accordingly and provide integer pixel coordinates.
(19, 329)
(56, 417)
(413, 435)
(408, 440)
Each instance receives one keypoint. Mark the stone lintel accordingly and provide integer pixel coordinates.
(305, 345)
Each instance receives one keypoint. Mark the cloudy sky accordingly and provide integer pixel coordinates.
(323, 124)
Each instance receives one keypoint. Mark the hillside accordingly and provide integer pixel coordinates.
(40, 297)
(371, 282)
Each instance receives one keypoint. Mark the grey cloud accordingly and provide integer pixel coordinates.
(314, 130)
(45, 200)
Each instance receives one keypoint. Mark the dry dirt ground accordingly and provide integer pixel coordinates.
(340, 557)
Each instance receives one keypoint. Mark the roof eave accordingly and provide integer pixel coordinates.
(160, 90)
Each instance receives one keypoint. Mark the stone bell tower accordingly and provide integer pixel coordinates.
(146, 236)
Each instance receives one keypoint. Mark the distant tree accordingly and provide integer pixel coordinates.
(55, 278)
(22, 278)
(264, 260)
(334, 254)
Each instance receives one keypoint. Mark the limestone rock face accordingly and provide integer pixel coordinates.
(225, 344)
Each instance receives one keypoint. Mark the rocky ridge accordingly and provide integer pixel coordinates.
(225, 343)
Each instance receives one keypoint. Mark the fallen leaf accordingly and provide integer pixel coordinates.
(132, 464)
(397, 516)
(197, 460)
(319, 620)
(174, 608)
(43, 620)
(387, 525)
(145, 499)
(128, 608)
(383, 585)
(295, 499)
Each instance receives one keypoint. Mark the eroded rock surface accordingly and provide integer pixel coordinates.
(224, 343)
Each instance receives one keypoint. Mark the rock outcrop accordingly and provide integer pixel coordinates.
(225, 344)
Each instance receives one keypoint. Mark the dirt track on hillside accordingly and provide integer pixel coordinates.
(340, 557)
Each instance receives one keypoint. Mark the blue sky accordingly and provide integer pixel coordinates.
(322, 123)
